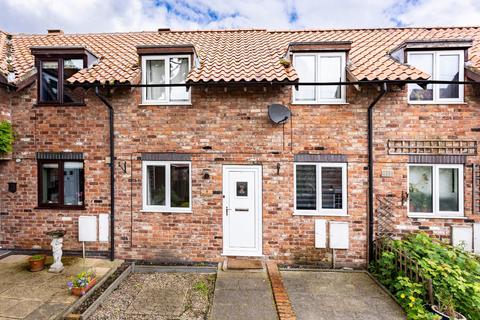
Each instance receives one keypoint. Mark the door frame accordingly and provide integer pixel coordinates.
(258, 208)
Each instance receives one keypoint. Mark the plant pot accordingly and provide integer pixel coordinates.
(36, 264)
(458, 316)
(81, 291)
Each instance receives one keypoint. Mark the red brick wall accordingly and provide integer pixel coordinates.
(52, 129)
(234, 124)
(395, 119)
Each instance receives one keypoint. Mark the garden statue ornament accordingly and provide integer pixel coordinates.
(57, 242)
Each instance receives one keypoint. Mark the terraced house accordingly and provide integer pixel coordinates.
(294, 146)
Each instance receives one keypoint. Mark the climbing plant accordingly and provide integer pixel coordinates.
(6, 137)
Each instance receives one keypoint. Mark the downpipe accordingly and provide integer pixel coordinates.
(371, 107)
(112, 171)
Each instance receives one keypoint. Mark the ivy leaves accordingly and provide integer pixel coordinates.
(6, 137)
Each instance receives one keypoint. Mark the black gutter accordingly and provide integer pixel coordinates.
(293, 83)
(370, 170)
(112, 172)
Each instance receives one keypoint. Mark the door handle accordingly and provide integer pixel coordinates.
(241, 210)
(226, 210)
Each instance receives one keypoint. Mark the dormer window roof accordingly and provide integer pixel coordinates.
(318, 46)
(399, 52)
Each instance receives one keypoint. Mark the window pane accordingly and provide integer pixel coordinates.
(448, 70)
(420, 189)
(73, 183)
(178, 74)
(306, 187)
(155, 75)
(49, 86)
(305, 67)
(156, 185)
(330, 71)
(50, 183)
(70, 67)
(180, 186)
(331, 188)
(422, 62)
(448, 189)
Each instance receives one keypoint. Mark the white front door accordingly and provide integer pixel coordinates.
(242, 210)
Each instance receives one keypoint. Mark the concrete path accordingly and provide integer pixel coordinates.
(338, 295)
(241, 295)
(40, 295)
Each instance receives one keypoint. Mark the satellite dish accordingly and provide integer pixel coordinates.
(278, 113)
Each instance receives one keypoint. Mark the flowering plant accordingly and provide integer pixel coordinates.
(81, 280)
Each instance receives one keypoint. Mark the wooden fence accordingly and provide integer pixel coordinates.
(404, 264)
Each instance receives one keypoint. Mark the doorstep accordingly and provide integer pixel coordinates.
(242, 264)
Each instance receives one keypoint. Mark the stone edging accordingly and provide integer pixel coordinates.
(282, 302)
(77, 303)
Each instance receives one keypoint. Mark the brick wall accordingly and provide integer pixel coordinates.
(222, 127)
(395, 119)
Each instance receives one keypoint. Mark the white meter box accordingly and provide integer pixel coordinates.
(320, 233)
(87, 228)
(339, 235)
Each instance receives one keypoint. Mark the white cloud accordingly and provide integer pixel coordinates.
(35, 16)
(442, 12)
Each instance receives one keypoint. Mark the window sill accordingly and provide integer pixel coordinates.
(165, 104)
(426, 216)
(435, 103)
(323, 103)
(166, 211)
(320, 214)
(60, 208)
(44, 104)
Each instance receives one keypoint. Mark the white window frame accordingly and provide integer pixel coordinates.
(166, 101)
(434, 76)
(320, 211)
(167, 207)
(317, 70)
(436, 191)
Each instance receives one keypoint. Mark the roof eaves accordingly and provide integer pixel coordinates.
(472, 73)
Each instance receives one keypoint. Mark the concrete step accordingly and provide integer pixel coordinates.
(242, 264)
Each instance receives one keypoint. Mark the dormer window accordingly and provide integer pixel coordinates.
(55, 65)
(52, 77)
(441, 65)
(319, 67)
(165, 69)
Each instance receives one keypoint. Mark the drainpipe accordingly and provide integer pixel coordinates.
(112, 172)
(370, 169)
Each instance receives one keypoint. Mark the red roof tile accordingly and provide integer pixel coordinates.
(239, 55)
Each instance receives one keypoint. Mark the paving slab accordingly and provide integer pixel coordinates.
(243, 295)
(40, 295)
(338, 296)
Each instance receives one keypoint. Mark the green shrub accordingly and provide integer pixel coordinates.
(455, 275)
(410, 296)
(6, 137)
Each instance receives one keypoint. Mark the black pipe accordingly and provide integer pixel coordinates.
(370, 170)
(294, 83)
(112, 172)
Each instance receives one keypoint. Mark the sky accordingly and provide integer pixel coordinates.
(82, 16)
